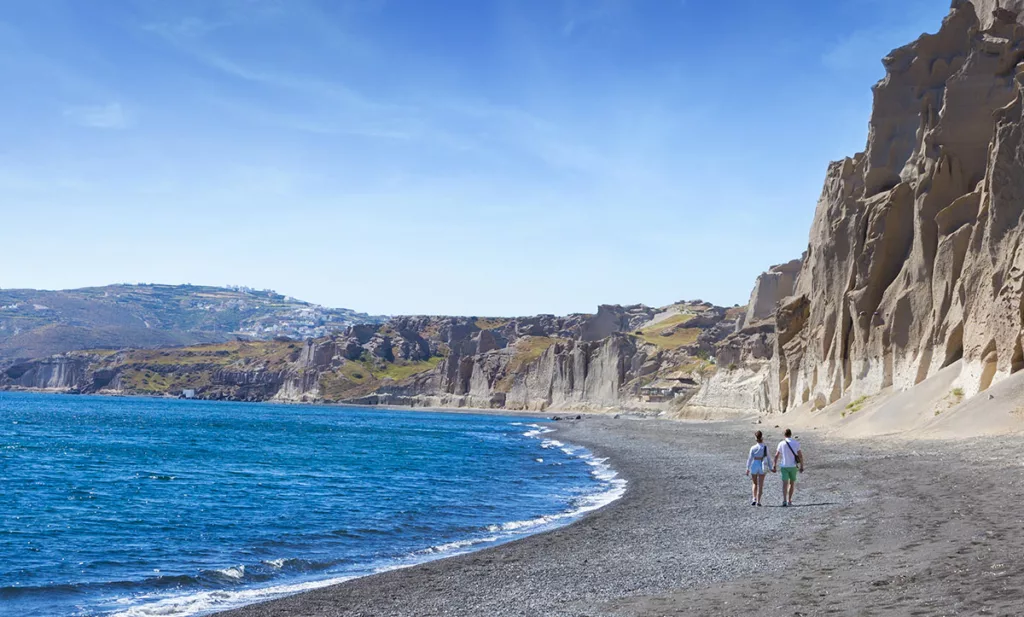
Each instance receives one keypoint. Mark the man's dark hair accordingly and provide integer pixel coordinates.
(789, 433)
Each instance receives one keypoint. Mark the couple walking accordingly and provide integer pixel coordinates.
(758, 464)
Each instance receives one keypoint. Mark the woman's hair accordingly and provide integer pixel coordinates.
(759, 436)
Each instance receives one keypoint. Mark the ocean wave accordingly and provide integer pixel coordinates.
(207, 601)
(457, 545)
(236, 573)
(614, 488)
(537, 430)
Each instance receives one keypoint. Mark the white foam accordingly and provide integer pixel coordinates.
(537, 431)
(459, 544)
(236, 573)
(615, 489)
(209, 601)
(551, 443)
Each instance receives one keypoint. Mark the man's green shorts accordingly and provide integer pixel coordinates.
(788, 474)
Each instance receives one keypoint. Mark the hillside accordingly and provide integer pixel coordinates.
(36, 323)
(633, 356)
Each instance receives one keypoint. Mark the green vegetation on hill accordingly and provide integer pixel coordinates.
(491, 323)
(527, 350)
(667, 334)
(169, 371)
(360, 377)
(228, 368)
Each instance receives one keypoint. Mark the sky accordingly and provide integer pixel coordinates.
(473, 157)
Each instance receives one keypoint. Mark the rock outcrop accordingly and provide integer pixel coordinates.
(914, 258)
(771, 287)
(64, 372)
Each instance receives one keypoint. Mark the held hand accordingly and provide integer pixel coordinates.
(747, 473)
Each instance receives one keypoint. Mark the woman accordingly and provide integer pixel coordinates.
(758, 464)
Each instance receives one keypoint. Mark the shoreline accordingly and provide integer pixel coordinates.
(359, 596)
(524, 413)
(684, 540)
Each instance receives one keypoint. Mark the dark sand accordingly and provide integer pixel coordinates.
(880, 528)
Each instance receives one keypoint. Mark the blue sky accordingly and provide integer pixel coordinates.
(484, 157)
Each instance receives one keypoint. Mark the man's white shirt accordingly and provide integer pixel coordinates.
(788, 457)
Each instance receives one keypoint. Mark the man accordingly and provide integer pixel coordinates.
(792, 460)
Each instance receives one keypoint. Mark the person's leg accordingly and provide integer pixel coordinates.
(785, 490)
(792, 489)
(753, 487)
(760, 487)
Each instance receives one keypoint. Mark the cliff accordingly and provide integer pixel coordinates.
(634, 356)
(914, 260)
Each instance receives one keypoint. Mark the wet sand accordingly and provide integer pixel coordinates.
(880, 527)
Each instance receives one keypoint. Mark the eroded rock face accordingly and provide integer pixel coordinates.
(882, 288)
(63, 372)
(742, 380)
(914, 253)
(772, 286)
(989, 11)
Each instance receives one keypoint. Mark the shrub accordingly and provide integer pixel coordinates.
(856, 405)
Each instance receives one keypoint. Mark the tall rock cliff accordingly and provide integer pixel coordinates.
(632, 356)
(914, 259)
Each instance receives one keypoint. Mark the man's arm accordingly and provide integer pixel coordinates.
(800, 457)
(777, 454)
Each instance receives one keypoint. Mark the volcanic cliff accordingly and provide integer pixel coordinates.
(914, 262)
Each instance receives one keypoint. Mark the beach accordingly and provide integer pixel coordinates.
(879, 527)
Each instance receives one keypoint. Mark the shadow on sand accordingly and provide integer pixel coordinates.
(804, 505)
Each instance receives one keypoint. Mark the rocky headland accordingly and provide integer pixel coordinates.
(621, 356)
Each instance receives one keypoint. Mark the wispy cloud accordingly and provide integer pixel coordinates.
(581, 14)
(184, 28)
(110, 116)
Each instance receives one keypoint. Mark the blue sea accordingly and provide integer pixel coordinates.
(140, 506)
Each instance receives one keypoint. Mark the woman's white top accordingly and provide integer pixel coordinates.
(759, 451)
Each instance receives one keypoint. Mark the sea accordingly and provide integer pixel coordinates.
(145, 506)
